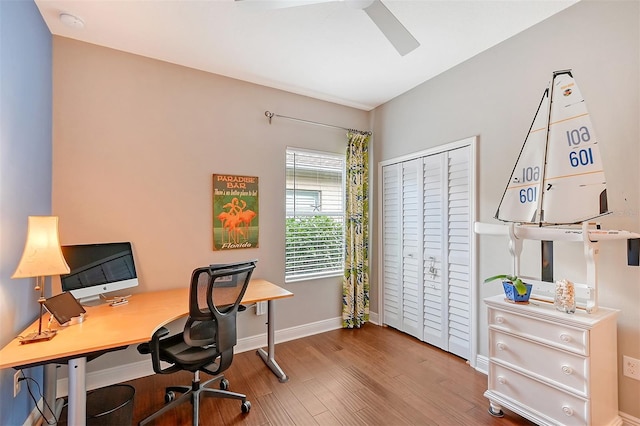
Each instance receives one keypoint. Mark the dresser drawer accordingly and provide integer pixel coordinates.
(566, 369)
(564, 408)
(549, 333)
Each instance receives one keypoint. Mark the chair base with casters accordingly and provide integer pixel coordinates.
(207, 341)
(194, 393)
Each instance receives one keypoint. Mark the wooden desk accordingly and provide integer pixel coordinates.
(106, 328)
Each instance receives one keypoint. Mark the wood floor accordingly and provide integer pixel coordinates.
(368, 376)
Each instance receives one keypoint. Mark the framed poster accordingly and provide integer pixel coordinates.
(235, 212)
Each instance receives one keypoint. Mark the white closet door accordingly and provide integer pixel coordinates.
(435, 246)
(411, 203)
(459, 252)
(426, 251)
(392, 252)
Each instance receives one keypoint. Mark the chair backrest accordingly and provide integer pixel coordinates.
(214, 297)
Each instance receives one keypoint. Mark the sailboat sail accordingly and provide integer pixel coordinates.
(520, 202)
(558, 178)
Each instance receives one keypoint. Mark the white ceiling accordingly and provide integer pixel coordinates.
(327, 51)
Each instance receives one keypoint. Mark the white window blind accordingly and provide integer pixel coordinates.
(315, 214)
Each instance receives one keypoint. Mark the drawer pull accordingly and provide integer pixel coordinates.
(567, 410)
(501, 346)
(565, 337)
(567, 370)
(502, 380)
(500, 319)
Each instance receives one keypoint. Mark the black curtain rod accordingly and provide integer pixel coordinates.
(270, 115)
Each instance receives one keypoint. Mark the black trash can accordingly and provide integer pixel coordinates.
(110, 406)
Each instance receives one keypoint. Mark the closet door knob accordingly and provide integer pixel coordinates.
(567, 370)
(567, 410)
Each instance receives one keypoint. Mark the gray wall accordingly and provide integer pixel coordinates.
(25, 174)
(495, 95)
(135, 144)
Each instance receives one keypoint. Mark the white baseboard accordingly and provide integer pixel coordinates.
(135, 370)
(482, 364)
(34, 416)
(628, 420)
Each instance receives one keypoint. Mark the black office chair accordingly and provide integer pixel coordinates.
(209, 335)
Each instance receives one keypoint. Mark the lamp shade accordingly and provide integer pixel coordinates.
(42, 255)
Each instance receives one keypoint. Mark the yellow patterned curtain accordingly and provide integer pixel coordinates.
(355, 285)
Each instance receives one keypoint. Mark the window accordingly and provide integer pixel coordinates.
(315, 215)
(301, 200)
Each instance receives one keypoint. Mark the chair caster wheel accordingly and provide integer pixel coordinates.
(169, 396)
(246, 407)
(224, 384)
(498, 413)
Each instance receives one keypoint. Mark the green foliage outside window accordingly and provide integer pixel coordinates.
(314, 243)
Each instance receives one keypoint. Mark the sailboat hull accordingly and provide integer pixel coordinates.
(552, 233)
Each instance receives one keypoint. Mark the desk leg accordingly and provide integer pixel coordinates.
(53, 406)
(269, 357)
(77, 409)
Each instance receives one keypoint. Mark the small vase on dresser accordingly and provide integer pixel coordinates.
(551, 367)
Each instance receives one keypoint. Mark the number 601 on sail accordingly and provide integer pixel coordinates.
(529, 195)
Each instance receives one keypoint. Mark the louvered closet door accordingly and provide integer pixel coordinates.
(435, 275)
(427, 248)
(459, 251)
(411, 217)
(392, 249)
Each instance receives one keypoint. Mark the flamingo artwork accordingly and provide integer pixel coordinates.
(246, 217)
(236, 222)
(222, 217)
(235, 212)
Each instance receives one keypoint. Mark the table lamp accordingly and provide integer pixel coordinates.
(42, 257)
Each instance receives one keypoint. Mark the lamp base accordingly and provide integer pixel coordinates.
(38, 337)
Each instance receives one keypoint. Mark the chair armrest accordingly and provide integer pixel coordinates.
(221, 364)
(153, 347)
(145, 348)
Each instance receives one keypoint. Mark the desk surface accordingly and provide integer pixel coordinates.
(106, 327)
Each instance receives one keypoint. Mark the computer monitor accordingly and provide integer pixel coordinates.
(97, 269)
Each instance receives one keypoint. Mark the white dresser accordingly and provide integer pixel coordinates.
(551, 367)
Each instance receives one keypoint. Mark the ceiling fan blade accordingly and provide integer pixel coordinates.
(391, 27)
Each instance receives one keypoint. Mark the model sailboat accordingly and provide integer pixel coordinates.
(558, 178)
(558, 181)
